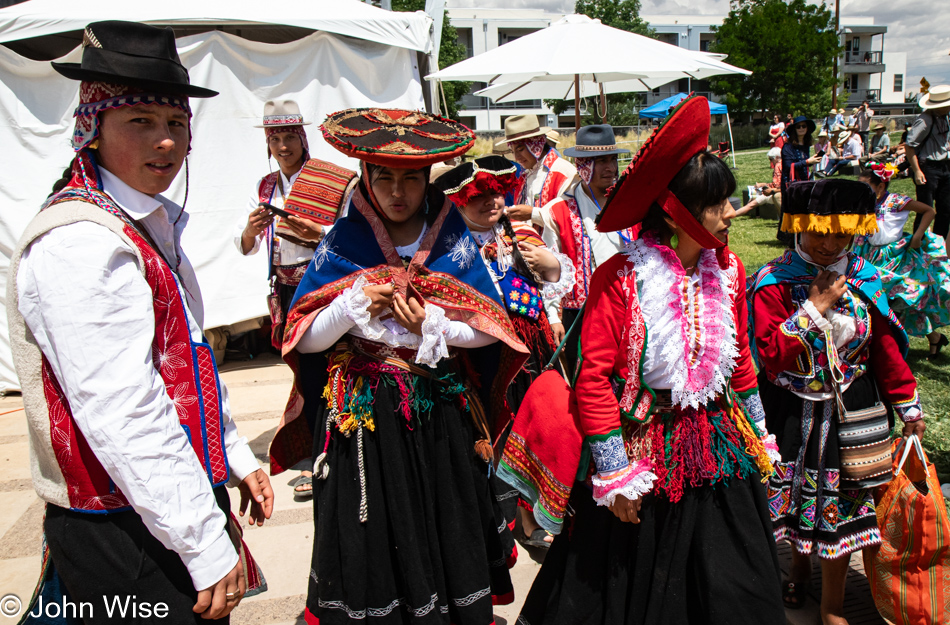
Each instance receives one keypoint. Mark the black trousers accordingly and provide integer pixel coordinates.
(101, 557)
(936, 193)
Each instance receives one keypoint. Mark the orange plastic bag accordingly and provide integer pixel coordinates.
(910, 572)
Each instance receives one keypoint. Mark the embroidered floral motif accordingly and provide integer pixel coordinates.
(323, 252)
(462, 250)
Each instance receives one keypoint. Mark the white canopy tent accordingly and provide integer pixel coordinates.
(376, 64)
(569, 56)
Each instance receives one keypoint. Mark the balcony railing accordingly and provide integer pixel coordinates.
(476, 103)
(856, 96)
(863, 58)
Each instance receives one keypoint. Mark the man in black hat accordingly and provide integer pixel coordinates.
(130, 431)
(569, 222)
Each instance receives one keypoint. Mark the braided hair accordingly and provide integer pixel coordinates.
(520, 264)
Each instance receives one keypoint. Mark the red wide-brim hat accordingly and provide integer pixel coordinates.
(683, 135)
(396, 138)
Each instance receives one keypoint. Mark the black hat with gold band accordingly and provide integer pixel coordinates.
(829, 206)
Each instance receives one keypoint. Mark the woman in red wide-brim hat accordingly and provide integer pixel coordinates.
(671, 524)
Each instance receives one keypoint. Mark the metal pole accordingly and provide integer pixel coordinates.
(577, 102)
(834, 88)
(603, 104)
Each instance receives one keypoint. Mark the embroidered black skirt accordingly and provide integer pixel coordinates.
(808, 507)
(430, 549)
(709, 558)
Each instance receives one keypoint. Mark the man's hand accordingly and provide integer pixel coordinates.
(626, 510)
(381, 296)
(257, 222)
(519, 212)
(559, 332)
(827, 289)
(304, 228)
(256, 491)
(919, 178)
(218, 600)
(915, 427)
(409, 314)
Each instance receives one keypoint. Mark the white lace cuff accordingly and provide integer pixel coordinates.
(433, 347)
(633, 481)
(355, 303)
(557, 290)
(771, 448)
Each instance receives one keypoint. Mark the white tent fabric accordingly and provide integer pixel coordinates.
(353, 18)
(544, 63)
(323, 72)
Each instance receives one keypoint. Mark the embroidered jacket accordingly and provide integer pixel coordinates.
(707, 354)
(557, 174)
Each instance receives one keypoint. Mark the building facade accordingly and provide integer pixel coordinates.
(867, 71)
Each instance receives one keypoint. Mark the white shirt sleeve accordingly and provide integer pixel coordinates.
(84, 298)
(552, 238)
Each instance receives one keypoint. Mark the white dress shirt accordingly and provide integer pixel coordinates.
(84, 298)
(289, 253)
(603, 245)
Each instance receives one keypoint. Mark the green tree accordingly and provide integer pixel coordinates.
(623, 15)
(789, 46)
(450, 53)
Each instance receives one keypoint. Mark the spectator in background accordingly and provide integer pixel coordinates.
(927, 146)
(768, 192)
(829, 122)
(850, 152)
(863, 118)
(776, 130)
(880, 148)
(796, 163)
(839, 118)
(823, 142)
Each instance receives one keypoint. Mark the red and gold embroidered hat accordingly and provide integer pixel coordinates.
(683, 135)
(396, 138)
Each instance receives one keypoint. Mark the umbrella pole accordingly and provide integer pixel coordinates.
(603, 104)
(577, 102)
(732, 144)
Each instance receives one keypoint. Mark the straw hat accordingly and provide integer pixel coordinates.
(282, 113)
(823, 133)
(518, 127)
(878, 126)
(938, 97)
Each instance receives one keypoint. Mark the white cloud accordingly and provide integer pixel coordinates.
(920, 28)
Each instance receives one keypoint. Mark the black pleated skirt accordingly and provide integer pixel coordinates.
(431, 548)
(709, 558)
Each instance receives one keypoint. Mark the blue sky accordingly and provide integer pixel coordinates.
(921, 28)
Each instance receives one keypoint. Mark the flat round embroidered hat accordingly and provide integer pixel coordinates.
(135, 55)
(488, 174)
(396, 138)
(645, 181)
(829, 206)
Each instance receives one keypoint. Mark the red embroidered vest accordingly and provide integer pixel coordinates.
(187, 368)
(576, 245)
(552, 180)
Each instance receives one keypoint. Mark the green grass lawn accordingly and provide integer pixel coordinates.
(753, 239)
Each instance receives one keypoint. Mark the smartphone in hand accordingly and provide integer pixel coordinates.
(274, 209)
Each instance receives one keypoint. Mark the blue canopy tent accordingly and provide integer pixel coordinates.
(663, 107)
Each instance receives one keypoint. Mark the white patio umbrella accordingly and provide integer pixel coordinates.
(582, 54)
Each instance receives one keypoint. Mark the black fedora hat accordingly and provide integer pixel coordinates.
(132, 54)
(594, 141)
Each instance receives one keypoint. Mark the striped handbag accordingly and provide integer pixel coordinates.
(864, 442)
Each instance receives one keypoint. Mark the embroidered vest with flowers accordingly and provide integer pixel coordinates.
(188, 371)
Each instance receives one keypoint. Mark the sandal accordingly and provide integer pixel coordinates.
(794, 594)
(303, 493)
(535, 540)
(939, 345)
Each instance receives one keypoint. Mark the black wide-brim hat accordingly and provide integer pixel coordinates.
(132, 54)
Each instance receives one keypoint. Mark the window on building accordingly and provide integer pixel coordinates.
(704, 45)
(856, 44)
(656, 91)
(898, 82)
